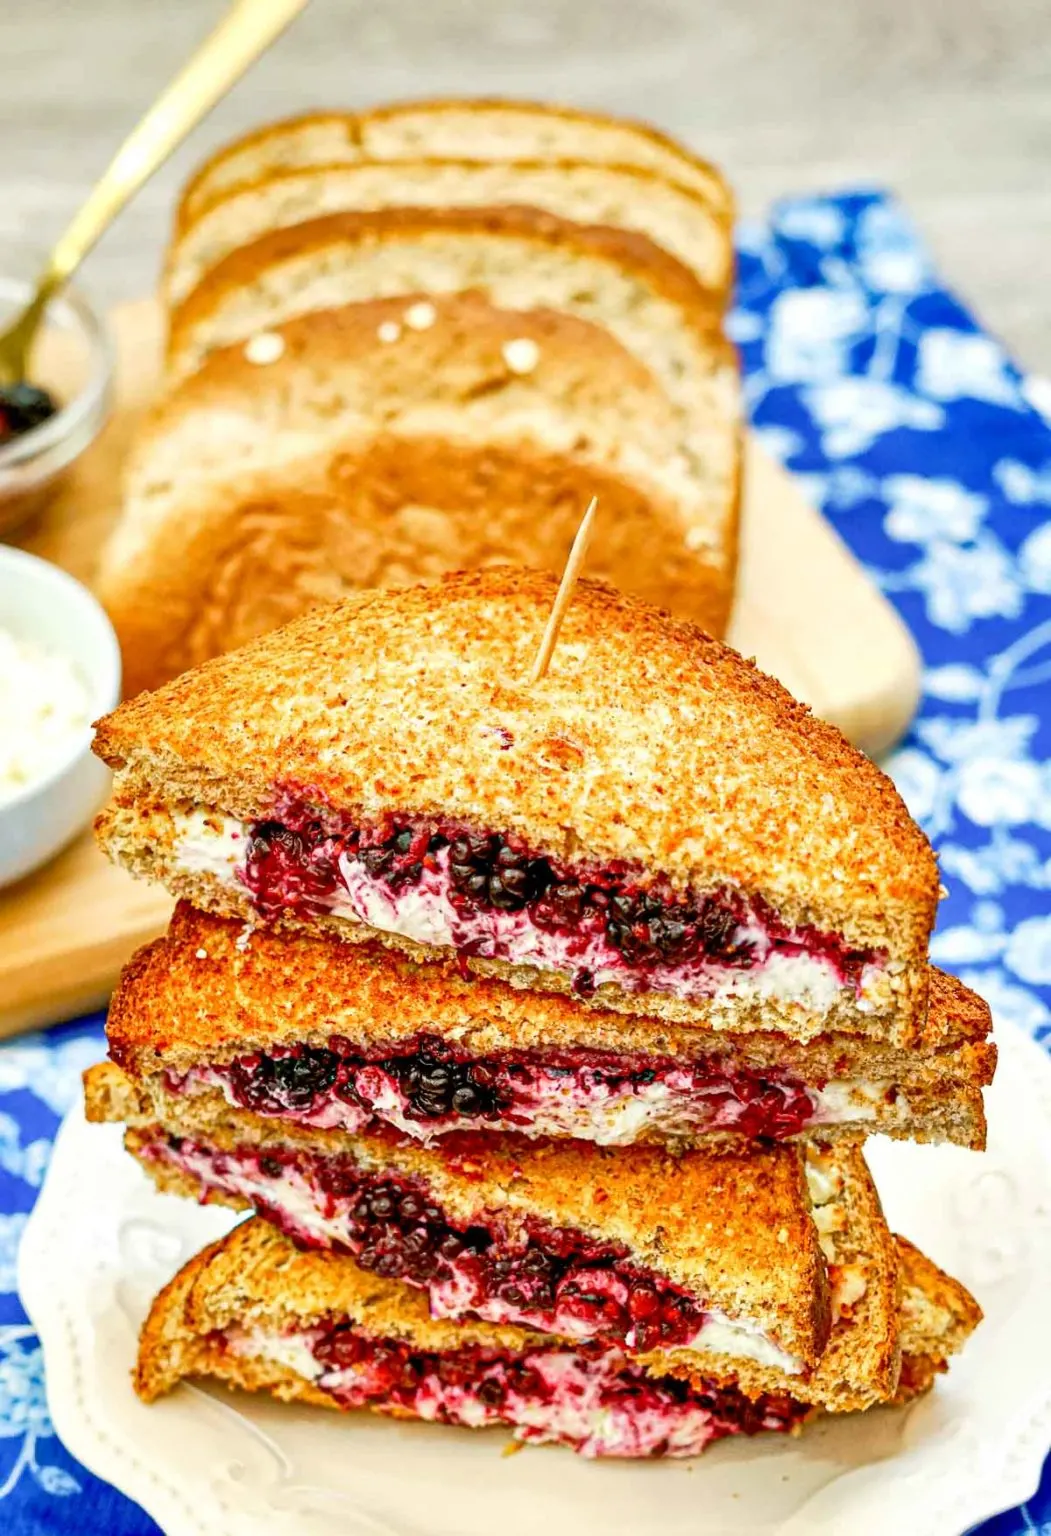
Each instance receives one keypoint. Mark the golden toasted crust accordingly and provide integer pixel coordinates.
(958, 1016)
(208, 992)
(938, 1313)
(179, 1339)
(734, 1228)
(861, 1361)
(646, 741)
(589, 194)
(343, 237)
(169, 1349)
(327, 136)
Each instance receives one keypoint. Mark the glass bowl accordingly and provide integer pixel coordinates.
(72, 358)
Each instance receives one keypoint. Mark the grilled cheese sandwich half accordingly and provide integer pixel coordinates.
(308, 1030)
(254, 1312)
(655, 828)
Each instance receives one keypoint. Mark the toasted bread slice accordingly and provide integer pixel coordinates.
(253, 1312)
(732, 1266)
(519, 258)
(211, 1006)
(454, 129)
(938, 1316)
(255, 492)
(622, 197)
(655, 826)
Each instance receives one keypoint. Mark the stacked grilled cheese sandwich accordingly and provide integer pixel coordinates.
(538, 1024)
(419, 340)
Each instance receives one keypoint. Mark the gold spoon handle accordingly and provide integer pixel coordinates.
(219, 62)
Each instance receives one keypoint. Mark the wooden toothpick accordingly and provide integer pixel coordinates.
(564, 593)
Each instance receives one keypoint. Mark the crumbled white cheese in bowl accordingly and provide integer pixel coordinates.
(45, 709)
(59, 671)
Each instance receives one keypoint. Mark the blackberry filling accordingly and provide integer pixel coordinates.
(300, 860)
(557, 1279)
(278, 1084)
(439, 1088)
(435, 1085)
(488, 871)
(585, 1397)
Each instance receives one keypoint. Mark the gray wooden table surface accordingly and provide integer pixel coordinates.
(946, 101)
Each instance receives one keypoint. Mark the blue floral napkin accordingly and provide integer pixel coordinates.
(932, 455)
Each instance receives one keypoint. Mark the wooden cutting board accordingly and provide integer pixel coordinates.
(805, 610)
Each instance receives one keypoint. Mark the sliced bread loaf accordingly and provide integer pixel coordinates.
(455, 129)
(618, 196)
(390, 441)
(520, 258)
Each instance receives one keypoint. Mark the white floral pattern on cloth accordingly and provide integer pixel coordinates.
(932, 456)
(38, 1479)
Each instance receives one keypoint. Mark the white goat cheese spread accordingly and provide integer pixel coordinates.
(45, 706)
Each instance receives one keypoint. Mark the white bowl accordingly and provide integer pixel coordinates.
(41, 603)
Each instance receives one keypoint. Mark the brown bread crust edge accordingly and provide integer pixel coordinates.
(194, 199)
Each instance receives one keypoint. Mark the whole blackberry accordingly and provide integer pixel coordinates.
(642, 929)
(716, 926)
(23, 407)
(562, 905)
(436, 1086)
(399, 858)
(647, 931)
(379, 1205)
(285, 868)
(286, 1082)
(490, 873)
(398, 1233)
(301, 1077)
(525, 1280)
(429, 1085)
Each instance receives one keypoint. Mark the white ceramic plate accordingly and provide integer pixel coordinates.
(101, 1242)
